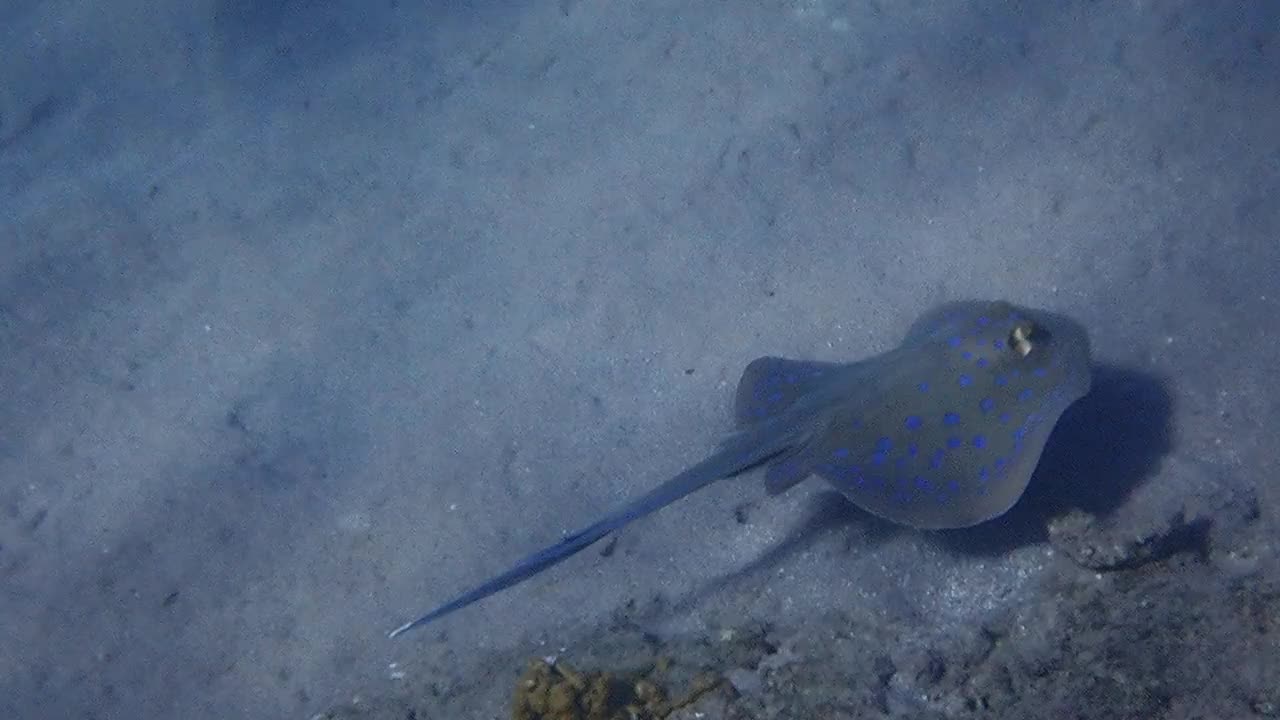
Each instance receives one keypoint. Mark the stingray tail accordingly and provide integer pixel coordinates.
(738, 454)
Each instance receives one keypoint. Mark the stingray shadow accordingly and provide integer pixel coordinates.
(1104, 446)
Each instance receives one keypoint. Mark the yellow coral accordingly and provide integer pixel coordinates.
(556, 691)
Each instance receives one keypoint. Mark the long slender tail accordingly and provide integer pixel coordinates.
(738, 454)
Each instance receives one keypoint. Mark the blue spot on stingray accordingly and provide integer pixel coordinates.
(913, 449)
(1040, 372)
(924, 387)
(967, 355)
(986, 405)
(983, 475)
(955, 341)
(1025, 395)
(921, 482)
(901, 462)
(879, 458)
(953, 485)
(965, 381)
(884, 444)
(979, 441)
(998, 344)
(775, 397)
(982, 362)
(913, 422)
(840, 452)
(1001, 381)
(1000, 463)
(1004, 417)
(950, 419)
(954, 442)
(935, 462)
(983, 321)
(792, 379)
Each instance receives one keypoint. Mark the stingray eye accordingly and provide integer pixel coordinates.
(1022, 338)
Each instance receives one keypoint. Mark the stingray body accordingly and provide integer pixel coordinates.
(943, 431)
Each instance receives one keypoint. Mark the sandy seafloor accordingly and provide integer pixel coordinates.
(312, 314)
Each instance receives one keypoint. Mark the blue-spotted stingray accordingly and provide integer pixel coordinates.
(943, 431)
